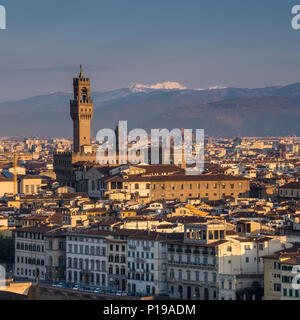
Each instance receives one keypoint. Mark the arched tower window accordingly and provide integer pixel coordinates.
(84, 95)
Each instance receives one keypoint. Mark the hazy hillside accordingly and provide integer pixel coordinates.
(227, 111)
(269, 116)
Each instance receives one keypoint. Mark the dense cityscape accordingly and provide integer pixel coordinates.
(149, 158)
(71, 228)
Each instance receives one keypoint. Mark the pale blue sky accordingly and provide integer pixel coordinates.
(199, 43)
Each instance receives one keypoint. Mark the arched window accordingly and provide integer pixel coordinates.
(84, 97)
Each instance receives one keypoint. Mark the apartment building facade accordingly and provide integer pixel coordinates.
(282, 275)
(86, 258)
(30, 184)
(30, 253)
(193, 262)
(211, 265)
(55, 256)
(147, 264)
(117, 264)
(290, 190)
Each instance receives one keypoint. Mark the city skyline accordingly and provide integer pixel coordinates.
(179, 179)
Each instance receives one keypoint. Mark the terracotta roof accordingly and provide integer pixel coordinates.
(39, 229)
(183, 177)
(291, 185)
(4, 179)
(160, 168)
(195, 244)
(29, 177)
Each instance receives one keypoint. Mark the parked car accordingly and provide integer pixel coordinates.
(76, 287)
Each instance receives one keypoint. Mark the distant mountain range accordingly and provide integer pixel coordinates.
(227, 112)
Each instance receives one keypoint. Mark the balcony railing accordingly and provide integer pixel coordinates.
(193, 264)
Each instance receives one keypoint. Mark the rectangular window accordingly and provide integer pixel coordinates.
(284, 292)
(277, 287)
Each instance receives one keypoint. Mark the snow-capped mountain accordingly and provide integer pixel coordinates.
(139, 88)
(168, 85)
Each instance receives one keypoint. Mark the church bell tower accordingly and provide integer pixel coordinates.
(81, 109)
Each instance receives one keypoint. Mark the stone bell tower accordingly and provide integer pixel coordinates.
(81, 109)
